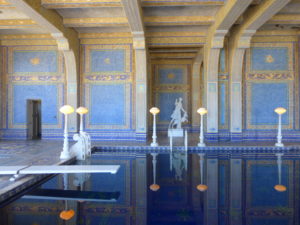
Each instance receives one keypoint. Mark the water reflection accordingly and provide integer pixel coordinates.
(238, 189)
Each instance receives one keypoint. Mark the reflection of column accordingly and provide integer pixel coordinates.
(141, 189)
(196, 94)
(141, 87)
(235, 192)
(196, 195)
(211, 201)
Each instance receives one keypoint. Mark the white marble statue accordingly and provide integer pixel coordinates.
(82, 148)
(178, 116)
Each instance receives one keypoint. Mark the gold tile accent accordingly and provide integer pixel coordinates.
(27, 42)
(17, 22)
(181, 3)
(179, 20)
(106, 41)
(105, 35)
(25, 36)
(96, 22)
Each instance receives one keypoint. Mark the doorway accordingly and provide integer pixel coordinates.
(34, 126)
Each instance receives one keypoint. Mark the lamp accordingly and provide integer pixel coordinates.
(154, 111)
(279, 111)
(154, 186)
(279, 187)
(202, 112)
(201, 187)
(81, 111)
(66, 109)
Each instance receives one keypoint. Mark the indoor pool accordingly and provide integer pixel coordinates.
(161, 189)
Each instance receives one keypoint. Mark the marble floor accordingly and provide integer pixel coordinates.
(19, 153)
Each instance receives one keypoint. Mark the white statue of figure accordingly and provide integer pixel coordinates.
(178, 116)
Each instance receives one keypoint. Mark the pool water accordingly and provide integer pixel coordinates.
(240, 190)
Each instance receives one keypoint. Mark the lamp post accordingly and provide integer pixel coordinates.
(154, 111)
(202, 112)
(81, 111)
(279, 111)
(66, 109)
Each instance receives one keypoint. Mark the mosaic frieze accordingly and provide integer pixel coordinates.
(270, 76)
(121, 77)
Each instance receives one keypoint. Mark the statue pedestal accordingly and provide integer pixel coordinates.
(175, 132)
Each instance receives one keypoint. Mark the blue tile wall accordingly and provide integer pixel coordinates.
(171, 76)
(107, 60)
(46, 93)
(269, 59)
(107, 104)
(35, 61)
(265, 98)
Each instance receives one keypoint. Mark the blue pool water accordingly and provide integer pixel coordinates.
(240, 190)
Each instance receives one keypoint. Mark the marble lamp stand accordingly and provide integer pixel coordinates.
(279, 111)
(66, 110)
(202, 112)
(154, 111)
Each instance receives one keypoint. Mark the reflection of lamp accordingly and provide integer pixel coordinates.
(201, 187)
(154, 111)
(154, 186)
(279, 111)
(66, 214)
(279, 187)
(81, 111)
(202, 112)
(66, 109)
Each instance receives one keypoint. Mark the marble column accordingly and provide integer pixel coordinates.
(196, 92)
(72, 91)
(212, 93)
(236, 93)
(141, 88)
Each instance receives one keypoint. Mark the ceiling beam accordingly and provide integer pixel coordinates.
(255, 19)
(224, 19)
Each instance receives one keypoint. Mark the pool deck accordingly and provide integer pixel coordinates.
(43, 152)
(23, 153)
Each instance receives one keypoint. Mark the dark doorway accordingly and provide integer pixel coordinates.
(34, 126)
